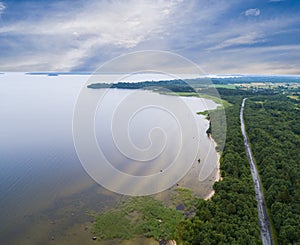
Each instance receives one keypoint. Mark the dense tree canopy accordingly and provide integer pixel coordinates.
(273, 123)
(230, 217)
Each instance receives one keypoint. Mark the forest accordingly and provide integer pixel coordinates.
(177, 85)
(230, 216)
(272, 124)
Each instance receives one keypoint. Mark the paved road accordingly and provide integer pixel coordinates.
(264, 223)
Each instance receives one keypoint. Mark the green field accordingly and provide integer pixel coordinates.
(228, 86)
(217, 100)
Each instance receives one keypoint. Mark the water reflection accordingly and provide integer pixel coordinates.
(44, 191)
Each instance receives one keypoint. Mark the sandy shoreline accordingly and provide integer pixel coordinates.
(218, 173)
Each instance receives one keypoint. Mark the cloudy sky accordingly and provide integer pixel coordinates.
(222, 36)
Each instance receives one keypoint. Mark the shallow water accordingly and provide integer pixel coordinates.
(45, 194)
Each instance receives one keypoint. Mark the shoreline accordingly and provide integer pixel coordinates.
(218, 172)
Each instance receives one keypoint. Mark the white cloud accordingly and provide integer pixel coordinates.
(252, 12)
(2, 7)
(209, 33)
(76, 33)
(247, 39)
(250, 61)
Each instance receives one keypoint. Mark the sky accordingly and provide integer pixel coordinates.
(221, 36)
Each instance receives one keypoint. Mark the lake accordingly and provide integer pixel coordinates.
(45, 192)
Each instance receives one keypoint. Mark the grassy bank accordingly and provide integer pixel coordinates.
(145, 216)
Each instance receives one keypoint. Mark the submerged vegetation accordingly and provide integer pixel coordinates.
(146, 216)
(138, 216)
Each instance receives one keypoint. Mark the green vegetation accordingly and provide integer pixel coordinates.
(274, 131)
(272, 122)
(217, 100)
(201, 88)
(138, 216)
(217, 127)
(295, 97)
(185, 94)
(228, 86)
(177, 85)
(184, 197)
(230, 217)
(204, 113)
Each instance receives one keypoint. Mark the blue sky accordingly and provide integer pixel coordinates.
(223, 37)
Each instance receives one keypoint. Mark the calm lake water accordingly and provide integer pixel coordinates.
(45, 193)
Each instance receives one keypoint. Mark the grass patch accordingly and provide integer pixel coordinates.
(228, 86)
(224, 103)
(138, 216)
(114, 224)
(204, 113)
(186, 197)
(294, 97)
